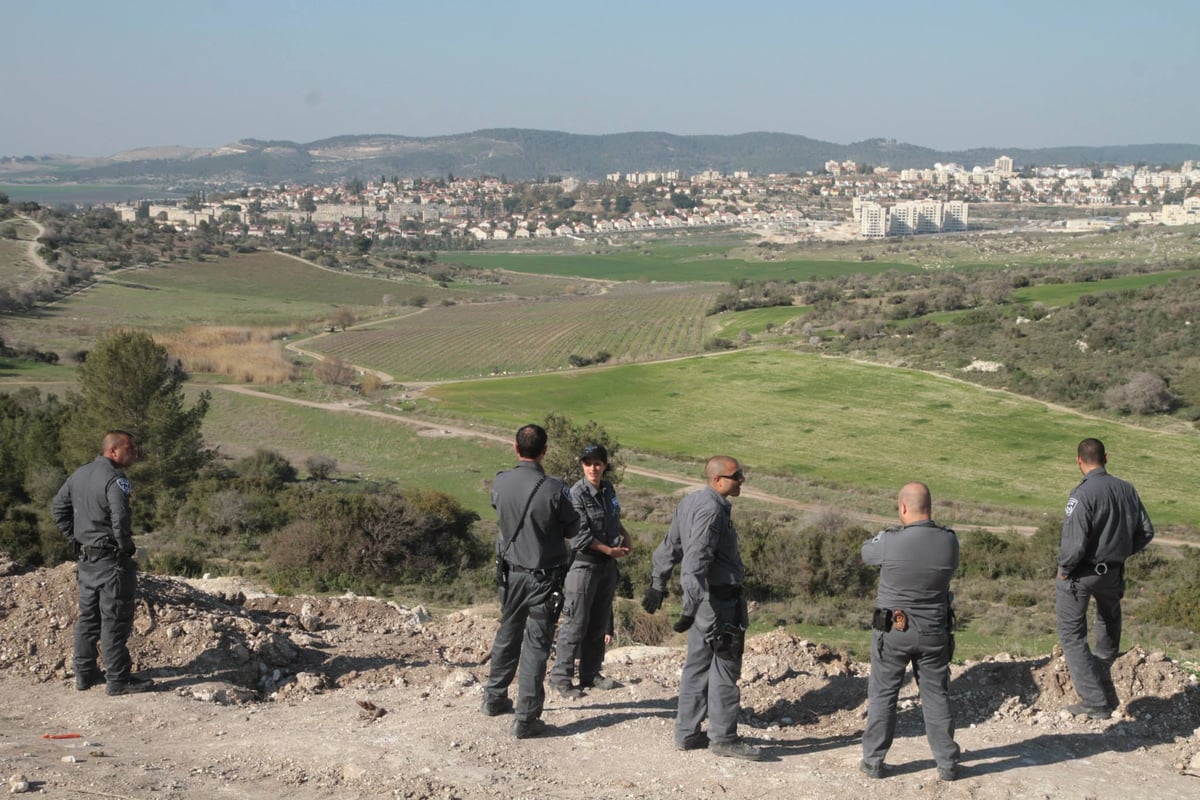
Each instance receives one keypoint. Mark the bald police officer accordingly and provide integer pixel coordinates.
(703, 540)
(536, 520)
(1105, 523)
(911, 625)
(92, 511)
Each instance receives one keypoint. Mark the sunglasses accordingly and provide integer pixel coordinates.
(737, 476)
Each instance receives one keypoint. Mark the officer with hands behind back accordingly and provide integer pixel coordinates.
(703, 540)
(911, 624)
(536, 520)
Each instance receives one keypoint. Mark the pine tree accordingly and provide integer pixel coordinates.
(129, 382)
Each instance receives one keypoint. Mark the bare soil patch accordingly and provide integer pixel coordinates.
(261, 696)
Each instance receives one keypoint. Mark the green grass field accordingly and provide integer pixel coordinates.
(755, 320)
(1063, 293)
(367, 447)
(669, 263)
(846, 424)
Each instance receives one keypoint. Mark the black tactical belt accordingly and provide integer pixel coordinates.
(99, 552)
(1100, 567)
(729, 592)
(541, 573)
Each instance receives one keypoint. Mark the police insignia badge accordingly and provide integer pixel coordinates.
(1071, 505)
(124, 484)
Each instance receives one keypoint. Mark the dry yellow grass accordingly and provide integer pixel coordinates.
(250, 355)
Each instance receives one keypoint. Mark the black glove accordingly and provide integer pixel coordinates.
(652, 599)
(683, 623)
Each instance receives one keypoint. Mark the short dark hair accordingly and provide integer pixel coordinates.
(531, 441)
(112, 438)
(1091, 451)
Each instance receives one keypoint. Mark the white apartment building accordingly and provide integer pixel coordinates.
(873, 219)
(911, 218)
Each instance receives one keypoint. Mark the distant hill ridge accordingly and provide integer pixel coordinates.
(523, 154)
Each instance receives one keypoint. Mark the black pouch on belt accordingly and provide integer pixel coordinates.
(881, 620)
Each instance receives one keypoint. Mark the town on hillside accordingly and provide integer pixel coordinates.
(792, 207)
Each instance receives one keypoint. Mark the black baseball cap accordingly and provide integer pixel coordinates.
(596, 451)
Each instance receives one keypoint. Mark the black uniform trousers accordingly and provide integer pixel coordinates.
(107, 589)
(524, 638)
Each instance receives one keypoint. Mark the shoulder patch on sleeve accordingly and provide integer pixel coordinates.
(123, 483)
(566, 490)
(1071, 505)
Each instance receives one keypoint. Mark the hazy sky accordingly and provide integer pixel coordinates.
(94, 77)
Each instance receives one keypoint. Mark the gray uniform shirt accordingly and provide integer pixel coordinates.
(550, 521)
(600, 512)
(917, 563)
(92, 507)
(1105, 522)
(703, 540)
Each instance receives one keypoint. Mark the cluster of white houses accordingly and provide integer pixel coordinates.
(884, 202)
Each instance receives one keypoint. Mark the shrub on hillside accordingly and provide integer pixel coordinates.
(334, 372)
(783, 562)
(265, 471)
(568, 439)
(364, 541)
(320, 468)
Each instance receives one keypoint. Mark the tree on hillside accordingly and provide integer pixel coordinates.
(29, 424)
(341, 317)
(129, 382)
(567, 440)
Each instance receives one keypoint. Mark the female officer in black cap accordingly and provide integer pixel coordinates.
(591, 581)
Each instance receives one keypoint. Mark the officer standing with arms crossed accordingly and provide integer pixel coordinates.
(92, 511)
(591, 581)
(536, 519)
(1105, 524)
(911, 625)
(714, 612)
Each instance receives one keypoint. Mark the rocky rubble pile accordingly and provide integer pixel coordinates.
(237, 645)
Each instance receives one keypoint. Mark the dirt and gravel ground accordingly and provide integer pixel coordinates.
(266, 697)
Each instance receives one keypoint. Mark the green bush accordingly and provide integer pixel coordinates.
(1021, 599)
(361, 542)
(784, 562)
(175, 563)
(265, 471)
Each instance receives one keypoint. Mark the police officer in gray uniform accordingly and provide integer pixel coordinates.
(591, 581)
(911, 625)
(703, 539)
(92, 511)
(1105, 524)
(536, 520)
